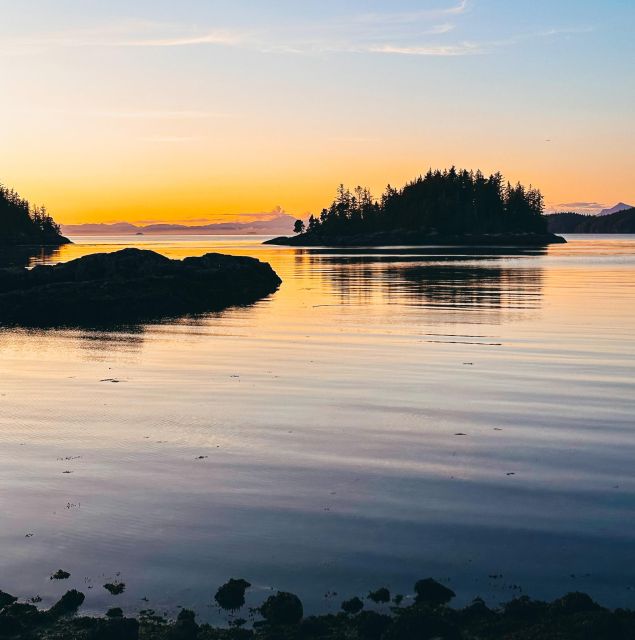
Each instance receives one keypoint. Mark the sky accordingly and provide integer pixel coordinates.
(210, 110)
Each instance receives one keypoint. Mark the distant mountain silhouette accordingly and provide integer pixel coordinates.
(621, 222)
(282, 223)
(620, 206)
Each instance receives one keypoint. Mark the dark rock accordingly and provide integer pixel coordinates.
(60, 574)
(115, 588)
(431, 592)
(68, 603)
(372, 625)
(185, 627)
(231, 595)
(130, 285)
(282, 609)
(116, 629)
(6, 599)
(353, 606)
(575, 602)
(525, 608)
(416, 623)
(380, 596)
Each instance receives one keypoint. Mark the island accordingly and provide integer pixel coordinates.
(24, 224)
(570, 222)
(128, 286)
(447, 207)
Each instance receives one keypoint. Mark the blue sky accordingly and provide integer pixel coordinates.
(294, 97)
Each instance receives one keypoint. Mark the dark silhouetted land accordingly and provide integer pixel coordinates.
(620, 222)
(442, 207)
(423, 616)
(23, 224)
(130, 285)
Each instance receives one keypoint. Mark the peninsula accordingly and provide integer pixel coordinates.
(24, 224)
(622, 221)
(442, 208)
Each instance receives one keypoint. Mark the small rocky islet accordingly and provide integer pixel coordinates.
(425, 615)
(130, 285)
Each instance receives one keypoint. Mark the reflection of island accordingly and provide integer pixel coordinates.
(469, 285)
(453, 207)
(27, 256)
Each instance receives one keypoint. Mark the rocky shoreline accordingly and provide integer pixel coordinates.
(36, 240)
(128, 286)
(414, 238)
(423, 615)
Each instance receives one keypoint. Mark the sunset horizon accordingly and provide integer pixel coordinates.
(169, 113)
(316, 320)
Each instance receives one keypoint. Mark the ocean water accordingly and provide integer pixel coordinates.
(386, 415)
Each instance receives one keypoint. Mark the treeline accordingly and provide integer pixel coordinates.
(447, 202)
(22, 222)
(620, 222)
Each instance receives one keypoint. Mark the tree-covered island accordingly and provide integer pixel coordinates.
(24, 224)
(442, 207)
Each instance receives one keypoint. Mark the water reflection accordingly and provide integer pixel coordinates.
(356, 429)
(27, 256)
(510, 282)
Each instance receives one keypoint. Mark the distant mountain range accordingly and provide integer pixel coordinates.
(282, 223)
(622, 221)
(620, 206)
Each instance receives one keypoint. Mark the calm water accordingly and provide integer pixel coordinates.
(327, 415)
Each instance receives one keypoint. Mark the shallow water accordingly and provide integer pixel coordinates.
(327, 415)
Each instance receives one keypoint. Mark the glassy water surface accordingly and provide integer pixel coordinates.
(387, 415)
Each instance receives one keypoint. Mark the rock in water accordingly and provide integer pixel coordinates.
(130, 285)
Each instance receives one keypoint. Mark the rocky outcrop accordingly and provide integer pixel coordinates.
(130, 285)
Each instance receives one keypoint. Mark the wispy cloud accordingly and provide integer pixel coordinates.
(413, 33)
(461, 49)
(580, 207)
(160, 115)
(169, 139)
(405, 17)
(214, 37)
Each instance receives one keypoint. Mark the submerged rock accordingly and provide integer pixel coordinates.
(130, 285)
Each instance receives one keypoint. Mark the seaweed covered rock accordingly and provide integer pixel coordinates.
(67, 604)
(130, 285)
(431, 592)
(352, 606)
(282, 609)
(231, 595)
(6, 599)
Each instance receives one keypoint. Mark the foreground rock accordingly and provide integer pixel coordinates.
(418, 238)
(130, 285)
